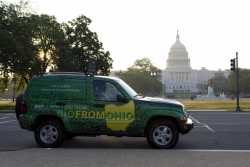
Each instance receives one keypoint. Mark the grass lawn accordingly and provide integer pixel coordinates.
(228, 105)
(7, 105)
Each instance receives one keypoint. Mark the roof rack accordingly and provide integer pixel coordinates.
(67, 73)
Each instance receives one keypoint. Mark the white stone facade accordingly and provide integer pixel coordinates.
(179, 77)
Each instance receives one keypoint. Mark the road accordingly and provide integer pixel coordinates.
(218, 139)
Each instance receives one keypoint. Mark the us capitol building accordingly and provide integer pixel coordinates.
(179, 79)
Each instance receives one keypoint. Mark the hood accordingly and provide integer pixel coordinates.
(159, 100)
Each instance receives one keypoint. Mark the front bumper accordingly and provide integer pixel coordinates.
(186, 126)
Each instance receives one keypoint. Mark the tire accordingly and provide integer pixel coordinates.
(49, 133)
(162, 134)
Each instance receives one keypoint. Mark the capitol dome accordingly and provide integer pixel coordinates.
(178, 56)
(177, 45)
(178, 78)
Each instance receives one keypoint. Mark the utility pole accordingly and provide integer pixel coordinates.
(237, 85)
(14, 88)
(235, 68)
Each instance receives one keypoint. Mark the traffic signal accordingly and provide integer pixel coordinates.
(232, 64)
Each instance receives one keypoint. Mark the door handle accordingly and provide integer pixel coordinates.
(60, 104)
(99, 105)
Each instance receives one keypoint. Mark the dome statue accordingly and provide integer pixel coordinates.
(178, 55)
(178, 45)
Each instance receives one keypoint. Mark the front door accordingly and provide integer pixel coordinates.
(117, 114)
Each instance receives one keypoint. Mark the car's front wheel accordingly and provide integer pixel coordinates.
(49, 134)
(162, 134)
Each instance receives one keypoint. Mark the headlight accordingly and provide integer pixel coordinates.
(183, 118)
(184, 111)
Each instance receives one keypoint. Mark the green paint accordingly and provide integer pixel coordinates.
(81, 113)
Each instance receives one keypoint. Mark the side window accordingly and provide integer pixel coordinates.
(105, 91)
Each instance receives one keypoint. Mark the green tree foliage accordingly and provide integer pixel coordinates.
(244, 82)
(45, 33)
(144, 77)
(81, 47)
(202, 87)
(144, 65)
(30, 44)
(16, 47)
(219, 83)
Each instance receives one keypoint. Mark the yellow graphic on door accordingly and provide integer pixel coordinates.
(118, 117)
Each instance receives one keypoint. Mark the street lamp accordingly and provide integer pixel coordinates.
(14, 88)
(154, 74)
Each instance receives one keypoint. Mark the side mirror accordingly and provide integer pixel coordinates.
(122, 99)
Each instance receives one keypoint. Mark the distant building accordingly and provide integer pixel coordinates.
(179, 79)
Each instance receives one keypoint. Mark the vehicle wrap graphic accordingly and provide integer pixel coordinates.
(120, 124)
(73, 102)
(117, 117)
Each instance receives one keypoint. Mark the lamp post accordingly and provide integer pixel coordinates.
(14, 88)
(154, 74)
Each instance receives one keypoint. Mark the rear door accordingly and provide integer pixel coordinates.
(70, 97)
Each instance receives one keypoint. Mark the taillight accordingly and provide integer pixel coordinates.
(23, 108)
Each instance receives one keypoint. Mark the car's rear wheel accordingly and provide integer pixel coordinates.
(49, 133)
(162, 134)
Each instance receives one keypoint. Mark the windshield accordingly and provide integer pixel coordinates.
(129, 90)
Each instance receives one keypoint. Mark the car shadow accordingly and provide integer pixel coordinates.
(106, 142)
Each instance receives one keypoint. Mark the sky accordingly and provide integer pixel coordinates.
(211, 30)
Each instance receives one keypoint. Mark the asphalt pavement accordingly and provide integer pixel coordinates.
(218, 139)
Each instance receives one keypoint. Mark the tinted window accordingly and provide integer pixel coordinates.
(105, 91)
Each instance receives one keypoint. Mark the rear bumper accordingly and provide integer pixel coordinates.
(186, 126)
(24, 122)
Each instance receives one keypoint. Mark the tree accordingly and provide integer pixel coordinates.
(219, 83)
(45, 33)
(144, 77)
(144, 65)
(80, 47)
(30, 44)
(202, 87)
(16, 47)
(244, 76)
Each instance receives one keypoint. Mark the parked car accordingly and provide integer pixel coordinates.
(57, 106)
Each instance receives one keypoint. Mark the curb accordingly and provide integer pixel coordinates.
(194, 110)
(7, 111)
(211, 110)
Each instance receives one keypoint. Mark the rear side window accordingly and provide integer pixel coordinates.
(61, 89)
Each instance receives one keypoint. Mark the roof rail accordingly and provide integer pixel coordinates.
(67, 73)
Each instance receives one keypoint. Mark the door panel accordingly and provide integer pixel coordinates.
(117, 115)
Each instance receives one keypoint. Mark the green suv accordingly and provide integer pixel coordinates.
(57, 106)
